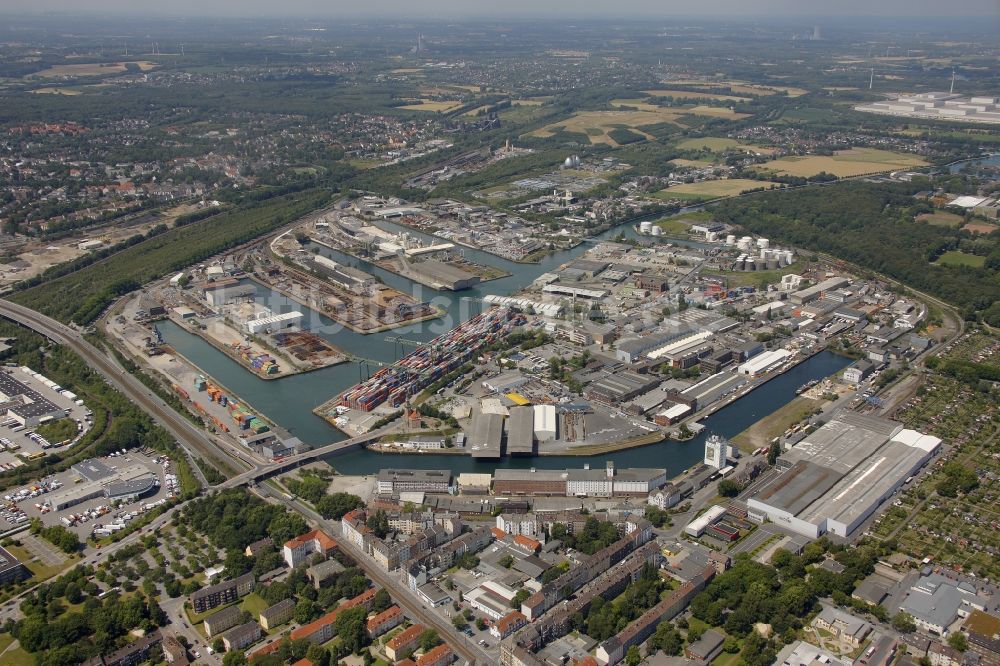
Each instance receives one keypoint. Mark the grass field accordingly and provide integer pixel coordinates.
(686, 94)
(956, 258)
(807, 115)
(673, 227)
(845, 163)
(941, 219)
(756, 278)
(712, 189)
(979, 227)
(91, 69)
(253, 603)
(433, 106)
(16, 657)
(68, 92)
(773, 425)
(39, 571)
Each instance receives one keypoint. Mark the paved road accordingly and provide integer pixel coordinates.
(191, 439)
(391, 582)
(264, 470)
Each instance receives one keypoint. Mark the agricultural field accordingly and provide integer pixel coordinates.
(716, 112)
(691, 163)
(687, 94)
(744, 88)
(720, 144)
(941, 219)
(91, 69)
(432, 106)
(596, 125)
(69, 92)
(956, 258)
(845, 163)
(713, 189)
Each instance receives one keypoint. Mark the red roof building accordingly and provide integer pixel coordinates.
(442, 655)
(527, 543)
(384, 621)
(301, 547)
(404, 641)
(508, 624)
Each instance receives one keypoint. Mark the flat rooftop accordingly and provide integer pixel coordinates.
(521, 430)
(797, 488)
(844, 442)
(867, 484)
(93, 470)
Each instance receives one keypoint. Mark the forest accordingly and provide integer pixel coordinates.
(871, 225)
(233, 519)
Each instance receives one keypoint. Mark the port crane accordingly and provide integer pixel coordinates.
(398, 343)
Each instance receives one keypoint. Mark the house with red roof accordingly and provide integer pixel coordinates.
(297, 550)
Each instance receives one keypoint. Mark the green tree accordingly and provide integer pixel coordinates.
(234, 658)
(729, 488)
(305, 611)
(903, 623)
(429, 639)
(382, 601)
(632, 657)
(958, 641)
(378, 523)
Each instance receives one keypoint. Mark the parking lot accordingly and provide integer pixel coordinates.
(19, 441)
(100, 514)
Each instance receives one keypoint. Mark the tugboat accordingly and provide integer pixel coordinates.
(805, 387)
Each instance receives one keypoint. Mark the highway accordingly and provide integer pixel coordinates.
(193, 440)
(400, 592)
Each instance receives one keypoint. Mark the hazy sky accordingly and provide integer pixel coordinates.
(569, 8)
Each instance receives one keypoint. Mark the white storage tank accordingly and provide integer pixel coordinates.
(645, 227)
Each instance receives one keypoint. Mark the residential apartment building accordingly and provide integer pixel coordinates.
(225, 592)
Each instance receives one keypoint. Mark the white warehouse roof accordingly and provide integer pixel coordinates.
(545, 419)
(678, 345)
(765, 361)
(698, 525)
(917, 440)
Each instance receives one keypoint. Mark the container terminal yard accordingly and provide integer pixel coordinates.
(397, 384)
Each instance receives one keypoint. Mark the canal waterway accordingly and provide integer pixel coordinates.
(289, 401)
